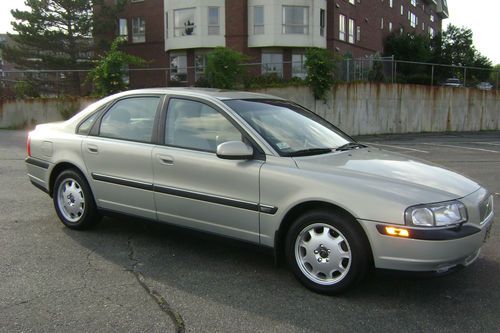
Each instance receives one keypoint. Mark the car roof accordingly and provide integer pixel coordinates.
(203, 92)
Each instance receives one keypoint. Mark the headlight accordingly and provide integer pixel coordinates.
(436, 215)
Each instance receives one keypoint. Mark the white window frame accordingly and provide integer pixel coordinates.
(138, 30)
(304, 25)
(272, 67)
(258, 27)
(351, 31)
(342, 31)
(184, 27)
(178, 70)
(213, 28)
(123, 27)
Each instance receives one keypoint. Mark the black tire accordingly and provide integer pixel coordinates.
(317, 246)
(74, 205)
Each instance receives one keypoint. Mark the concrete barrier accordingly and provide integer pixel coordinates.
(28, 112)
(357, 108)
(370, 108)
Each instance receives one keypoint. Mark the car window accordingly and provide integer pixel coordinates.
(85, 126)
(130, 119)
(195, 125)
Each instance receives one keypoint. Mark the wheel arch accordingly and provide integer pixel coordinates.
(60, 167)
(303, 207)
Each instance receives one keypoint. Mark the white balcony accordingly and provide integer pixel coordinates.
(287, 23)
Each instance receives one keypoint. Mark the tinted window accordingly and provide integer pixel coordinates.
(130, 119)
(85, 127)
(197, 126)
(288, 127)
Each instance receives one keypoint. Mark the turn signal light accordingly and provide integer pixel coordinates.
(398, 232)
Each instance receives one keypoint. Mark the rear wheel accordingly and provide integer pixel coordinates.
(73, 201)
(327, 252)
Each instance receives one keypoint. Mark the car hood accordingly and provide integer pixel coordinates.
(386, 168)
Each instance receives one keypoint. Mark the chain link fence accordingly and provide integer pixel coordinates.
(52, 83)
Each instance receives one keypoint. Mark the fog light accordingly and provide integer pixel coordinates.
(398, 232)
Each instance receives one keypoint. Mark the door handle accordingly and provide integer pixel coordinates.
(166, 160)
(92, 149)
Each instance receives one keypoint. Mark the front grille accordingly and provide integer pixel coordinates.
(485, 208)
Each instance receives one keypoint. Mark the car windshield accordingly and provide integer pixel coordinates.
(290, 129)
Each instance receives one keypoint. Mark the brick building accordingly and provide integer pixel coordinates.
(178, 34)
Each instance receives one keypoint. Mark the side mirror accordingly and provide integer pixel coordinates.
(234, 150)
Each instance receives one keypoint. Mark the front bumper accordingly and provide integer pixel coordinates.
(432, 254)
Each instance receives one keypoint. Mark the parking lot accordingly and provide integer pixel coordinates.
(132, 275)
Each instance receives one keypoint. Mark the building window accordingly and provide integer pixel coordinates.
(184, 24)
(200, 63)
(272, 62)
(382, 23)
(341, 27)
(432, 18)
(322, 22)
(138, 30)
(258, 20)
(122, 27)
(423, 26)
(391, 3)
(298, 65)
(213, 21)
(351, 31)
(295, 20)
(402, 10)
(431, 32)
(390, 26)
(178, 67)
(413, 20)
(358, 33)
(414, 3)
(351, 2)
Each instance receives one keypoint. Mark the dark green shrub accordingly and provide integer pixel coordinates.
(224, 68)
(320, 71)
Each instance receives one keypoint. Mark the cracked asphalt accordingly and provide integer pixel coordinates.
(133, 275)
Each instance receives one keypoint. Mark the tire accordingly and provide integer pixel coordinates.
(327, 251)
(73, 201)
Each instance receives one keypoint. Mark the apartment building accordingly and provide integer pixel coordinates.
(178, 34)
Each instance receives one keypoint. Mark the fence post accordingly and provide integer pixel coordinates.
(432, 76)
(396, 71)
(348, 68)
(465, 76)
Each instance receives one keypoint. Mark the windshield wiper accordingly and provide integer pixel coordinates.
(310, 151)
(349, 146)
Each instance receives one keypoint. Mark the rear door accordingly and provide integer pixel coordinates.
(117, 154)
(195, 188)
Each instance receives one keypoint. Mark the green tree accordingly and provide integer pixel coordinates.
(376, 74)
(457, 48)
(414, 48)
(321, 71)
(109, 75)
(224, 68)
(57, 35)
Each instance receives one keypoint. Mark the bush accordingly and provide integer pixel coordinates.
(109, 76)
(376, 74)
(320, 71)
(224, 68)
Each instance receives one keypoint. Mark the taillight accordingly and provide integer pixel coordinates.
(28, 145)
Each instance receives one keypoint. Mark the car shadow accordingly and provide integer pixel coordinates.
(244, 276)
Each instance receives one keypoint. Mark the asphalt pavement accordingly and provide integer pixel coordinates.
(134, 275)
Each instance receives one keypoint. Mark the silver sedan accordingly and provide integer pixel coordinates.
(264, 170)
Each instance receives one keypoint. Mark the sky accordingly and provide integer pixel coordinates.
(482, 16)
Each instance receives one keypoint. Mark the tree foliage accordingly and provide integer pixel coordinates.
(224, 68)
(321, 71)
(454, 46)
(57, 34)
(109, 76)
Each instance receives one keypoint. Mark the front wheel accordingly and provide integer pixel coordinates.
(73, 201)
(327, 252)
